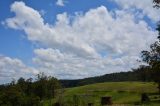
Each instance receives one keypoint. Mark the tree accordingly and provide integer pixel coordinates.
(45, 86)
(152, 57)
(143, 73)
(22, 84)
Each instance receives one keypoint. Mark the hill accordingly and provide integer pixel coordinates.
(128, 93)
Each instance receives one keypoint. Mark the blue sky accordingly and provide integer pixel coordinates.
(73, 39)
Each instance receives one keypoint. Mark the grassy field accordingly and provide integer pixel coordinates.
(122, 93)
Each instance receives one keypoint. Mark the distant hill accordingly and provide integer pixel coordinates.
(137, 75)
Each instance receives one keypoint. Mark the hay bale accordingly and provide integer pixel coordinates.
(144, 98)
(57, 104)
(106, 100)
(90, 104)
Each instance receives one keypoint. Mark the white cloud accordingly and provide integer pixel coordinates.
(67, 66)
(145, 6)
(93, 43)
(14, 68)
(31, 22)
(60, 3)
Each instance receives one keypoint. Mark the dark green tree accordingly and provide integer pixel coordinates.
(152, 57)
(143, 73)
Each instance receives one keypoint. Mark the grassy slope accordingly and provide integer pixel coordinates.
(121, 92)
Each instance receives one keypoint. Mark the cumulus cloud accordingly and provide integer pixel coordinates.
(67, 66)
(60, 3)
(87, 44)
(12, 68)
(145, 8)
(30, 21)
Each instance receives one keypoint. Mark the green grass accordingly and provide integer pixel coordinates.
(121, 93)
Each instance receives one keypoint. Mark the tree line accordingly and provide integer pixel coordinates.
(142, 73)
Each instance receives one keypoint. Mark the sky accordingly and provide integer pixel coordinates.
(73, 39)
